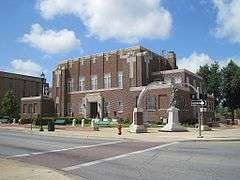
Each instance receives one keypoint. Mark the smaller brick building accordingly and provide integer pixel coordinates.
(20, 85)
(33, 107)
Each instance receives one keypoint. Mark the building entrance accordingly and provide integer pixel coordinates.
(93, 109)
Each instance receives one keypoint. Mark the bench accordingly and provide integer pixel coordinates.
(103, 123)
(60, 122)
(4, 121)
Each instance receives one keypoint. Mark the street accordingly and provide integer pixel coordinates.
(124, 159)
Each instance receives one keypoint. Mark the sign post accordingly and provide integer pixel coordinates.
(199, 103)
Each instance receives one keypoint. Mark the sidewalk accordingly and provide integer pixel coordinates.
(217, 134)
(12, 170)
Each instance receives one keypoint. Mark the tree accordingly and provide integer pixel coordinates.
(231, 87)
(211, 80)
(9, 105)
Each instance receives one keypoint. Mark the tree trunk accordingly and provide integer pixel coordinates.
(232, 112)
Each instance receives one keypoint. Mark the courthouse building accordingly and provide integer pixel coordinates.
(109, 84)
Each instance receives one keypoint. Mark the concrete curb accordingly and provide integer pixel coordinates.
(58, 134)
(213, 140)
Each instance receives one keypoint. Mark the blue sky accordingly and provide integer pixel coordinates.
(37, 35)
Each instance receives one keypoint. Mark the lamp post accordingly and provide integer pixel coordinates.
(41, 99)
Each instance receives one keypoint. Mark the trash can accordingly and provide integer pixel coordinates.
(51, 125)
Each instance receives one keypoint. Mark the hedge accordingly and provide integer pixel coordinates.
(45, 120)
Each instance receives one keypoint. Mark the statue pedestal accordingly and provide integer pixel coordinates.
(205, 128)
(173, 123)
(137, 125)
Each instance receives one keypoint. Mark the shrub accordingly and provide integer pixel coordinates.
(126, 121)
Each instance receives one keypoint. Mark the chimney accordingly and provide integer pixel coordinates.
(171, 57)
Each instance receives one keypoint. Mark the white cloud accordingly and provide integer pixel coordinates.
(123, 20)
(194, 61)
(50, 41)
(26, 67)
(228, 19)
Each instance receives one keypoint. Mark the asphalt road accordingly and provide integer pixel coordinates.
(116, 159)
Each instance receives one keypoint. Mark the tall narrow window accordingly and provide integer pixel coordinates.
(94, 82)
(82, 106)
(120, 105)
(151, 103)
(69, 109)
(187, 81)
(107, 81)
(70, 85)
(81, 84)
(35, 108)
(24, 108)
(30, 108)
(106, 108)
(120, 79)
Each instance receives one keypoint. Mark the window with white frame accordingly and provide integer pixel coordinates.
(81, 83)
(58, 78)
(70, 85)
(81, 106)
(107, 81)
(106, 108)
(151, 103)
(69, 109)
(94, 82)
(120, 79)
(120, 105)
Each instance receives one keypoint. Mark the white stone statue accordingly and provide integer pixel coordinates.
(173, 119)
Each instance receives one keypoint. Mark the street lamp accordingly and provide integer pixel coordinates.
(41, 99)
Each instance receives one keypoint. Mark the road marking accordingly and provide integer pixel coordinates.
(65, 149)
(116, 157)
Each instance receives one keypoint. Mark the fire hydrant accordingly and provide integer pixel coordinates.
(119, 127)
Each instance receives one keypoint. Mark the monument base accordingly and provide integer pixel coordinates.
(173, 128)
(205, 128)
(173, 125)
(137, 128)
(137, 125)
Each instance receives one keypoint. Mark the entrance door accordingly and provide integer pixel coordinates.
(93, 109)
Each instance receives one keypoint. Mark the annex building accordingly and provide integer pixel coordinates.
(108, 85)
(20, 85)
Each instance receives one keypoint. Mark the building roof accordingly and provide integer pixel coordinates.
(177, 71)
(132, 48)
(19, 76)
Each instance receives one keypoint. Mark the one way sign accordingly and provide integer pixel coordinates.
(198, 102)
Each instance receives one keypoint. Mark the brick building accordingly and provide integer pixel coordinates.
(20, 85)
(33, 107)
(109, 84)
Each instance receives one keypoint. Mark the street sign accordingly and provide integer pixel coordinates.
(203, 109)
(201, 96)
(198, 102)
